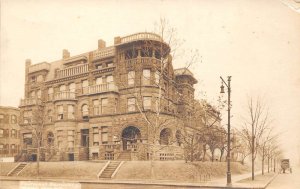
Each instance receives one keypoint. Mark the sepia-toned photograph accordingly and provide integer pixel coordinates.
(149, 94)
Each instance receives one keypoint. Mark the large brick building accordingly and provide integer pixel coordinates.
(120, 102)
(9, 131)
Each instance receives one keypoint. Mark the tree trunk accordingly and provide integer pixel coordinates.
(204, 153)
(268, 164)
(212, 155)
(38, 158)
(263, 165)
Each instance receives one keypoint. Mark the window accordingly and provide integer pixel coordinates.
(99, 81)
(146, 76)
(70, 139)
(157, 75)
(13, 119)
(13, 133)
(2, 149)
(131, 104)
(71, 111)
(95, 136)
(131, 77)
(33, 79)
(49, 114)
(99, 66)
(60, 139)
(96, 107)
(60, 112)
(110, 64)
(39, 93)
(85, 110)
(147, 102)
(13, 148)
(1, 118)
(104, 105)
(27, 138)
(27, 116)
(62, 88)
(104, 134)
(32, 94)
(1, 132)
(50, 93)
(116, 105)
(109, 79)
(85, 83)
(72, 87)
(39, 78)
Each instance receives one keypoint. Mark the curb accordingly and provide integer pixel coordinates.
(271, 179)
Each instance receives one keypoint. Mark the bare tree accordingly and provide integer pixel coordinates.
(256, 124)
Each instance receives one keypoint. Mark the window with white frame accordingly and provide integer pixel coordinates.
(72, 87)
(147, 102)
(104, 106)
(13, 148)
(49, 114)
(71, 111)
(146, 77)
(50, 93)
(1, 132)
(85, 110)
(109, 79)
(39, 78)
(131, 77)
(70, 139)
(96, 107)
(60, 112)
(62, 88)
(99, 81)
(85, 85)
(95, 136)
(39, 93)
(14, 133)
(131, 104)
(104, 134)
(27, 116)
(14, 119)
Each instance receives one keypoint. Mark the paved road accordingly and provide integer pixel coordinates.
(287, 180)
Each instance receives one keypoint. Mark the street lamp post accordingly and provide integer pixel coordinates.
(228, 132)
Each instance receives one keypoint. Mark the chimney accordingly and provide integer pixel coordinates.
(101, 44)
(66, 54)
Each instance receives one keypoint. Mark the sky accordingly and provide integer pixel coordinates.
(257, 42)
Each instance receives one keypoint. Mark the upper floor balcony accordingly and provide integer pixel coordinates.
(140, 36)
(75, 70)
(30, 101)
(142, 60)
(65, 95)
(101, 88)
(104, 53)
(39, 67)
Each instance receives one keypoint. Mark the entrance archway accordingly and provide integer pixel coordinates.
(130, 136)
(165, 136)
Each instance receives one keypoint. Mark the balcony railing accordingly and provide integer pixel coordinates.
(72, 71)
(30, 101)
(143, 60)
(100, 88)
(65, 95)
(141, 36)
(39, 67)
(102, 53)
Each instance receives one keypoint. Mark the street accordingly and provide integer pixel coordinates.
(287, 180)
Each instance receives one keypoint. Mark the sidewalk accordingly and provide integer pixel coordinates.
(218, 183)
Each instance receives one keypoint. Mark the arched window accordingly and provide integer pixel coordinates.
(62, 88)
(72, 87)
(14, 119)
(85, 110)
(39, 93)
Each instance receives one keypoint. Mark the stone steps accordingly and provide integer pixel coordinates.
(110, 169)
(17, 169)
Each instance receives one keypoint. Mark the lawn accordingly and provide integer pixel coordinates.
(5, 167)
(68, 169)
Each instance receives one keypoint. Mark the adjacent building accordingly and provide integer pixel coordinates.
(119, 102)
(9, 132)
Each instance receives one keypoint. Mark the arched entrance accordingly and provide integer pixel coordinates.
(165, 136)
(130, 136)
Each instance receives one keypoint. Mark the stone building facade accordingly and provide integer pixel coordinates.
(120, 102)
(9, 131)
